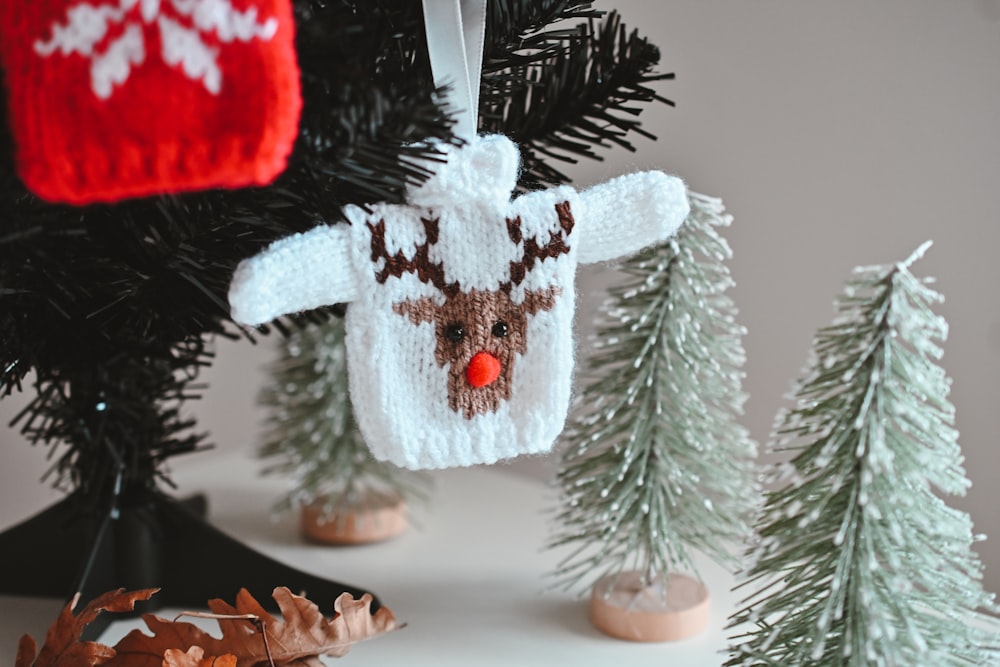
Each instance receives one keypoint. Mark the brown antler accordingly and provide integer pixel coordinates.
(532, 250)
(421, 265)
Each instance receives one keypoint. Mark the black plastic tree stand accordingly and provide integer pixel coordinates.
(149, 541)
(118, 529)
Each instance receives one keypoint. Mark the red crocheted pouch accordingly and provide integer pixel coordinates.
(122, 98)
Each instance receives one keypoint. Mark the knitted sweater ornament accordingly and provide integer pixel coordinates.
(111, 99)
(459, 332)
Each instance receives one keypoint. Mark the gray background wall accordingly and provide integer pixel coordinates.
(839, 134)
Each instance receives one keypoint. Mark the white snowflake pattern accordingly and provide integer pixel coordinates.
(182, 46)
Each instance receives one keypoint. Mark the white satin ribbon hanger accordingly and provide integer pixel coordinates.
(456, 32)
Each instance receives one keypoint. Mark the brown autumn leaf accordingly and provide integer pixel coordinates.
(300, 637)
(62, 647)
(195, 657)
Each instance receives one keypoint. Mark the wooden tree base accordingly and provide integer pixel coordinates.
(375, 517)
(621, 606)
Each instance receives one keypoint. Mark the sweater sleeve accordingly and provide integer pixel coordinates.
(295, 273)
(628, 213)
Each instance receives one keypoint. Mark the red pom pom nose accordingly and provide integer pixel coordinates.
(483, 369)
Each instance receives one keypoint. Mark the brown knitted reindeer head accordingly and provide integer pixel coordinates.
(479, 332)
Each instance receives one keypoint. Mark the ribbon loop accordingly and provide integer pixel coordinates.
(456, 32)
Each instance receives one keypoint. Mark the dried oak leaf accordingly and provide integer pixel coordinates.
(62, 647)
(299, 639)
(195, 657)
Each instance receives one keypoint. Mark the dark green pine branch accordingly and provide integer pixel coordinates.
(370, 103)
(520, 33)
(588, 95)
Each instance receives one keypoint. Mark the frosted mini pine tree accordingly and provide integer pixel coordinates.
(658, 464)
(312, 436)
(860, 561)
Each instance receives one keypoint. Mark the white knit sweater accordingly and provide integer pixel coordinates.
(459, 329)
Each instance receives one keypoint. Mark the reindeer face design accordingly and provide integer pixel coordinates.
(479, 333)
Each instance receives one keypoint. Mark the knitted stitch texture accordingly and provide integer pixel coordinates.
(459, 332)
(119, 98)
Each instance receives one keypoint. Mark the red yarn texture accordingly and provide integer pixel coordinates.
(161, 129)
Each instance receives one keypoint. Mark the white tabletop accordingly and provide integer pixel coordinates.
(470, 581)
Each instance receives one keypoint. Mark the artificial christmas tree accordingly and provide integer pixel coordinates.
(656, 464)
(860, 562)
(344, 494)
(112, 306)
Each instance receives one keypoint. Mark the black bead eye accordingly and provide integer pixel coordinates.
(500, 329)
(454, 332)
